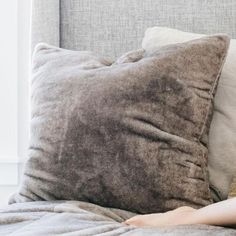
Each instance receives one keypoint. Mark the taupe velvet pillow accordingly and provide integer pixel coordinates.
(131, 134)
(222, 134)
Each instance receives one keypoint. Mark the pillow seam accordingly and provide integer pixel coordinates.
(212, 92)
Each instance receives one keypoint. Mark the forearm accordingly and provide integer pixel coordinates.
(221, 213)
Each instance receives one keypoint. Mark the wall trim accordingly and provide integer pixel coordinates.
(10, 171)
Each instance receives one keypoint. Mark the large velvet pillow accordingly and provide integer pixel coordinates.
(131, 134)
(222, 136)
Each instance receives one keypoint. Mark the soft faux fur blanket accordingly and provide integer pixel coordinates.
(70, 218)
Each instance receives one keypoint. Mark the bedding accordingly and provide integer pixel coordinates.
(130, 134)
(74, 218)
(222, 136)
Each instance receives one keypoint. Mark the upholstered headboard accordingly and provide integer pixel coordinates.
(112, 27)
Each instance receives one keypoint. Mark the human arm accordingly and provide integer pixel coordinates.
(221, 213)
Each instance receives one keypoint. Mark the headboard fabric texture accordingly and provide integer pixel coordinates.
(113, 27)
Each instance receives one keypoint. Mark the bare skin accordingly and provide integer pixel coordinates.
(221, 214)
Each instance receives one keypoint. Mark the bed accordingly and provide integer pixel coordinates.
(80, 218)
(109, 27)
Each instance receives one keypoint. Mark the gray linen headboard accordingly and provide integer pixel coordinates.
(112, 27)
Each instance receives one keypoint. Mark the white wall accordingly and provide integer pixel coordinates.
(14, 92)
(8, 80)
(14, 79)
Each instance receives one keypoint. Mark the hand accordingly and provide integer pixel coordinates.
(179, 216)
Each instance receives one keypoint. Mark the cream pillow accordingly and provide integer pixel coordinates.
(222, 138)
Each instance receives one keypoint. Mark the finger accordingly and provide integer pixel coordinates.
(133, 221)
(129, 221)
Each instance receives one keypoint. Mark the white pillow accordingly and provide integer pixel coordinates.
(222, 138)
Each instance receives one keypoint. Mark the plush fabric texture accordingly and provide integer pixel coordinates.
(130, 135)
(74, 218)
(222, 137)
(114, 27)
